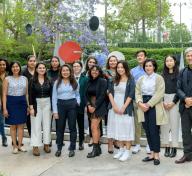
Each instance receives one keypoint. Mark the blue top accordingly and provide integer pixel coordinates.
(64, 92)
(137, 72)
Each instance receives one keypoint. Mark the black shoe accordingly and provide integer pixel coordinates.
(90, 144)
(156, 162)
(110, 151)
(50, 145)
(81, 146)
(173, 152)
(58, 153)
(99, 149)
(115, 145)
(71, 153)
(4, 142)
(146, 159)
(95, 152)
(167, 151)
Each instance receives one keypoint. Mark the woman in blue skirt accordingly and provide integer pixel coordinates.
(15, 106)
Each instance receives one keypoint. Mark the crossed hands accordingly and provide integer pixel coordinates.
(119, 111)
(144, 106)
(188, 102)
(168, 106)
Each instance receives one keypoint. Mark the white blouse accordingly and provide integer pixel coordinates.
(148, 84)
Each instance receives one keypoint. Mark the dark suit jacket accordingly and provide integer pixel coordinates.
(129, 92)
(184, 87)
(101, 92)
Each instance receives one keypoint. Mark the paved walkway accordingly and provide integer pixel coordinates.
(25, 164)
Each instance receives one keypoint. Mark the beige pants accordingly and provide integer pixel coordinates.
(173, 123)
(137, 125)
(41, 123)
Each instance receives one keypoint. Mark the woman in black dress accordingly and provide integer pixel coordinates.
(96, 105)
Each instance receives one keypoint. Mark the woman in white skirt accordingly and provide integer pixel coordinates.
(170, 75)
(120, 117)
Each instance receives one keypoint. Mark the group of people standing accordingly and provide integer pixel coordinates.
(121, 97)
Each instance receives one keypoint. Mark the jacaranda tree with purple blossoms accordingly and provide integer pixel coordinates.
(69, 18)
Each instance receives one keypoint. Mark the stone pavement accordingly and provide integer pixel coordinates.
(25, 164)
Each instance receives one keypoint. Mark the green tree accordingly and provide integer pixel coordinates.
(135, 16)
(177, 31)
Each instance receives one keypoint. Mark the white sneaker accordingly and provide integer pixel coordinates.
(15, 150)
(126, 155)
(119, 153)
(136, 149)
(148, 151)
(22, 149)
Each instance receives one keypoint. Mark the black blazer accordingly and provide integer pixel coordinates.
(129, 92)
(184, 87)
(101, 92)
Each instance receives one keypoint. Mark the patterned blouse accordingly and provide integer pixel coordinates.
(16, 86)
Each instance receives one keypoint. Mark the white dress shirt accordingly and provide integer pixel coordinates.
(148, 84)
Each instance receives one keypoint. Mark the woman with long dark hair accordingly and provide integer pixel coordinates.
(40, 109)
(29, 73)
(170, 75)
(120, 116)
(53, 72)
(65, 100)
(96, 105)
(109, 74)
(4, 67)
(91, 61)
(15, 103)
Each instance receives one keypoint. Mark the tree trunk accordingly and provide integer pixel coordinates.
(159, 21)
(143, 30)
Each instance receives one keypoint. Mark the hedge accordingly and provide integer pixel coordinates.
(154, 45)
(158, 54)
(21, 53)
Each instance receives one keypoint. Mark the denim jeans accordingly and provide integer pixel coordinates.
(2, 131)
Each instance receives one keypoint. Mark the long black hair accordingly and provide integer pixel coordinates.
(127, 72)
(35, 77)
(97, 68)
(6, 63)
(11, 65)
(107, 64)
(54, 57)
(89, 58)
(72, 79)
(166, 69)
